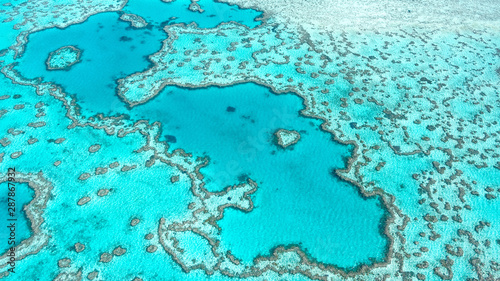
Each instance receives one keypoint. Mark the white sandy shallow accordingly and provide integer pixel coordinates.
(380, 14)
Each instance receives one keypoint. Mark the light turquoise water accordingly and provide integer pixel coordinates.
(299, 200)
(298, 203)
(24, 194)
(103, 223)
(110, 49)
(159, 13)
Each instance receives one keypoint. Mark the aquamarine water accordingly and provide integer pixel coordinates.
(296, 203)
(159, 13)
(104, 223)
(23, 195)
(240, 145)
(300, 200)
(110, 50)
(419, 101)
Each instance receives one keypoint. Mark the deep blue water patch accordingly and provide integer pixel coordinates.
(299, 201)
(23, 195)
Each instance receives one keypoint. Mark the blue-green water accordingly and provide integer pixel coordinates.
(299, 200)
(111, 49)
(428, 91)
(159, 13)
(23, 195)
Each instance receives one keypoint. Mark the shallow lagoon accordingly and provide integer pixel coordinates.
(214, 13)
(112, 49)
(297, 202)
(24, 195)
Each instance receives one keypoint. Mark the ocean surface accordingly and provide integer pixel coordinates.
(23, 195)
(300, 200)
(395, 170)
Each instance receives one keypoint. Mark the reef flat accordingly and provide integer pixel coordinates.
(24, 195)
(407, 94)
(158, 147)
(63, 58)
(135, 20)
(285, 138)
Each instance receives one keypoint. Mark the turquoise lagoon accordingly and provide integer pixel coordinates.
(299, 201)
(112, 49)
(24, 195)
